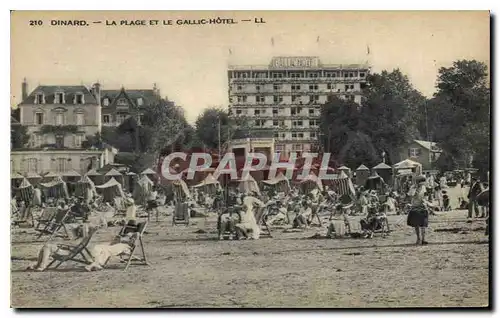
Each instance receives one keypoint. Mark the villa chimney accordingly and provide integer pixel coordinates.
(96, 90)
(24, 89)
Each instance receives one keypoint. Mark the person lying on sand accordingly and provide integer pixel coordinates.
(49, 250)
(121, 245)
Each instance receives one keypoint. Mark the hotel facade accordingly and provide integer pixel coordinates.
(283, 99)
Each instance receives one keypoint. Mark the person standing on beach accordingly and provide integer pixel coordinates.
(418, 216)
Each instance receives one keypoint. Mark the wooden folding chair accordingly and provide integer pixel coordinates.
(76, 252)
(261, 218)
(46, 217)
(137, 240)
(55, 224)
(181, 214)
(120, 208)
(25, 215)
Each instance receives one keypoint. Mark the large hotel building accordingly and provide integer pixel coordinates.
(283, 99)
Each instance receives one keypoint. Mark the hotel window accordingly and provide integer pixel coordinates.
(313, 87)
(239, 87)
(275, 111)
(311, 111)
(346, 74)
(313, 123)
(330, 86)
(362, 74)
(281, 123)
(330, 74)
(296, 75)
(297, 147)
(300, 135)
(79, 99)
(242, 99)
(279, 148)
(257, 88)
(275, 123)
(260, 123)
(32, 165)
(39, 98)
(349, 87)
(314, 98)
(39, 118)
(61, 164)
(140, 101)
(238, 112)
(256, 112)
(59, 141)
(260, 99)
(277, 75)
(294, 135)
(414, 152)
(312, 75)
(59, 119)
(295, 110)
(295, 98)
(105, 102)
(278, 99)
(105, 119)
(59, 98)
(352, 74)
(297, 123)
(277, 87)
(78, 141)
(312, 135)
(79, 119)
(295, 87)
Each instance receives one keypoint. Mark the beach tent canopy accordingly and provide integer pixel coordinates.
(247, 184)
(92, 173)
(111, 189)
(24, 184)
(56, 188)
(343, 185)
(149, 171)
(71, 173)
(142, 190)
(51, 174)
(16, 175)
(409, 164)
(382, 165)
(33, 175)
(113, 173)
(362, 167)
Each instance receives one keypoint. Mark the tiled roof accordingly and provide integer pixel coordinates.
(69, 91)
(149, 96)
(428, 145)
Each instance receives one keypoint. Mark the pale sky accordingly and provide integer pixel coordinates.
(189, 62)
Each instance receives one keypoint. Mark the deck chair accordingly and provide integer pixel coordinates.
(76, 252)
(55, 224)
(120, 208)
(261, 218)
(181, 214)
(138, 230)
(46, 217)
(315, 213)
(229, 232)
(25, 215)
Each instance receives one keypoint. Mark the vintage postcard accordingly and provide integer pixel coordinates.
(250, 159)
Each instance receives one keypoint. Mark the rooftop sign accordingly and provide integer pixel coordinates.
(294, 62)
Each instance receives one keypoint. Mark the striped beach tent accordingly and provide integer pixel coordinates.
(25, 191)
(343, 185)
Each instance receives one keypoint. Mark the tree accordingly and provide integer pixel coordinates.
(338, 119)
(390, 112)
(207, 128)
(358, 150)
(461, 113)
(19, 136)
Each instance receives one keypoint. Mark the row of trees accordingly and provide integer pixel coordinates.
(393, 113)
